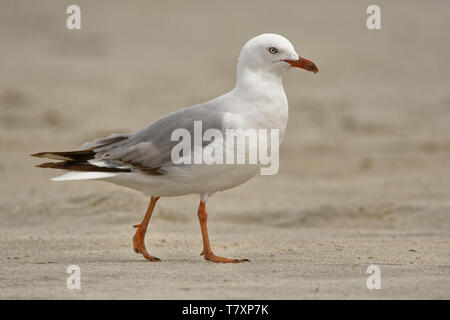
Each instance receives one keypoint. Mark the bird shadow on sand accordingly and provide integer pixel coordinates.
(137, 260)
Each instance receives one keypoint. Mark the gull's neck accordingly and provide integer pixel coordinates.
(258, 84)
(262, 91)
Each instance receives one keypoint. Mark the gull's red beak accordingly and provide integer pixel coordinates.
(304, 64)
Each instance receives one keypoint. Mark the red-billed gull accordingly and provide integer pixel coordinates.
(144, 160)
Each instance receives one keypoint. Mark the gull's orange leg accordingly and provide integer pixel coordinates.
(138, 239)
(207, 252)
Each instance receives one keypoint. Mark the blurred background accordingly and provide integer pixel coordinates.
(364, 174)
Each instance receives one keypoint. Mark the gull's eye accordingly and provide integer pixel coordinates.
(273, 50)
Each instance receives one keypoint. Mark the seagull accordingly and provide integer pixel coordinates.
(143, 160)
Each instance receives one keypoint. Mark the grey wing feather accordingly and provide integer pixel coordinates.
(149, 149)
(110, 140)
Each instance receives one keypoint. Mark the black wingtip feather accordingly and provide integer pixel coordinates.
(78, 166)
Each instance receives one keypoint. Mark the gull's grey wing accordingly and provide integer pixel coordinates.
(150, 149)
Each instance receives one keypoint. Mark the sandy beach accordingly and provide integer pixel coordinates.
(364, 170)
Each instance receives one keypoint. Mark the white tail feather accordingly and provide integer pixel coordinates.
(73, 175)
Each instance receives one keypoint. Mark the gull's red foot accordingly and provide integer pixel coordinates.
(139, 245)
(207, 251)
(213, 258)
(139, 237)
